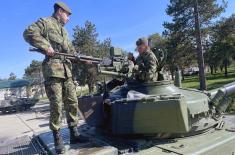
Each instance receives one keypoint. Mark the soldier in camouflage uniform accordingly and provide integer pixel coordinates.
(49, 35)
(146, 63)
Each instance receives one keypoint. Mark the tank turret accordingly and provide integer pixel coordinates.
(161, 109)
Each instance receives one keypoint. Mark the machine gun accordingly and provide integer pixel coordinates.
(119, 65)
(75, 57)
(112, 66)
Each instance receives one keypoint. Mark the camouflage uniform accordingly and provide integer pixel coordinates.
(147, 67)
(57, 70)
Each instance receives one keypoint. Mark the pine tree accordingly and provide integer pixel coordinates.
(12, 76)
(34, 71)
(190, 21)
(86, 41)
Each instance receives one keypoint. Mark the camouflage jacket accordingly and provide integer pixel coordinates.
(147, 66)
(48, 32)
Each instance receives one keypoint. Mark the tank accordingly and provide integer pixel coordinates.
(10, 103)
(15, 104)
(160, 118)
(152, 118)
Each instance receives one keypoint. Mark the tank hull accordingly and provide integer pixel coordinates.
(212, 142)
(121, 124)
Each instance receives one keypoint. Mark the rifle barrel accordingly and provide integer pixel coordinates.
(89, 58)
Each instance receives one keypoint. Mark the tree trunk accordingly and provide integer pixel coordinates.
(182, 74)
(221, 68)
(199, 48)
(212, 69)
(215, 69)
(28, 91)
(226, 67)
(172, 72)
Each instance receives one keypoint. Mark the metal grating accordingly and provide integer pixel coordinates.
(23, 146)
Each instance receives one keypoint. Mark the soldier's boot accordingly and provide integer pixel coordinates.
(58, 141)
(76, 137)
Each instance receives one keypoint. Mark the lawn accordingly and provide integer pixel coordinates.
(213, 81)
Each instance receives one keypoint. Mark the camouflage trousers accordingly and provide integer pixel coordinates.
(61, 91)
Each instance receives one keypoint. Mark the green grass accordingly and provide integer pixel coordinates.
(213, 81)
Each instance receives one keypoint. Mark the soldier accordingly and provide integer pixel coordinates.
(49, 35)
(146, 63)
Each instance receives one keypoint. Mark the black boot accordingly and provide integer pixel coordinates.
(75, 137)
(58, 141)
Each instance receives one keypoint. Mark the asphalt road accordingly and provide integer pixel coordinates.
(27, 123)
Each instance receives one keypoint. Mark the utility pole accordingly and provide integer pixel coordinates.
(202, 77)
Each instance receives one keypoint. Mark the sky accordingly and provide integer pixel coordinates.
(124, 21)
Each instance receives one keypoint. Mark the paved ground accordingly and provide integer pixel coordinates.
(24, 123)
(17, 129)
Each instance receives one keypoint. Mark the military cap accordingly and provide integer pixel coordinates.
(63, 6)
(141, 41)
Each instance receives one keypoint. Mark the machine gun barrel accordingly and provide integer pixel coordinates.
(107, 68)
(78, 57)
(117, 74)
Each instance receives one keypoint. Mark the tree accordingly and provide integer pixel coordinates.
(34, 71)
(12, 76)
(85, 40)
(157, 41)
(212, 59)
(222, 44)
(190, 21)
(198, 36)
(104, 48)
